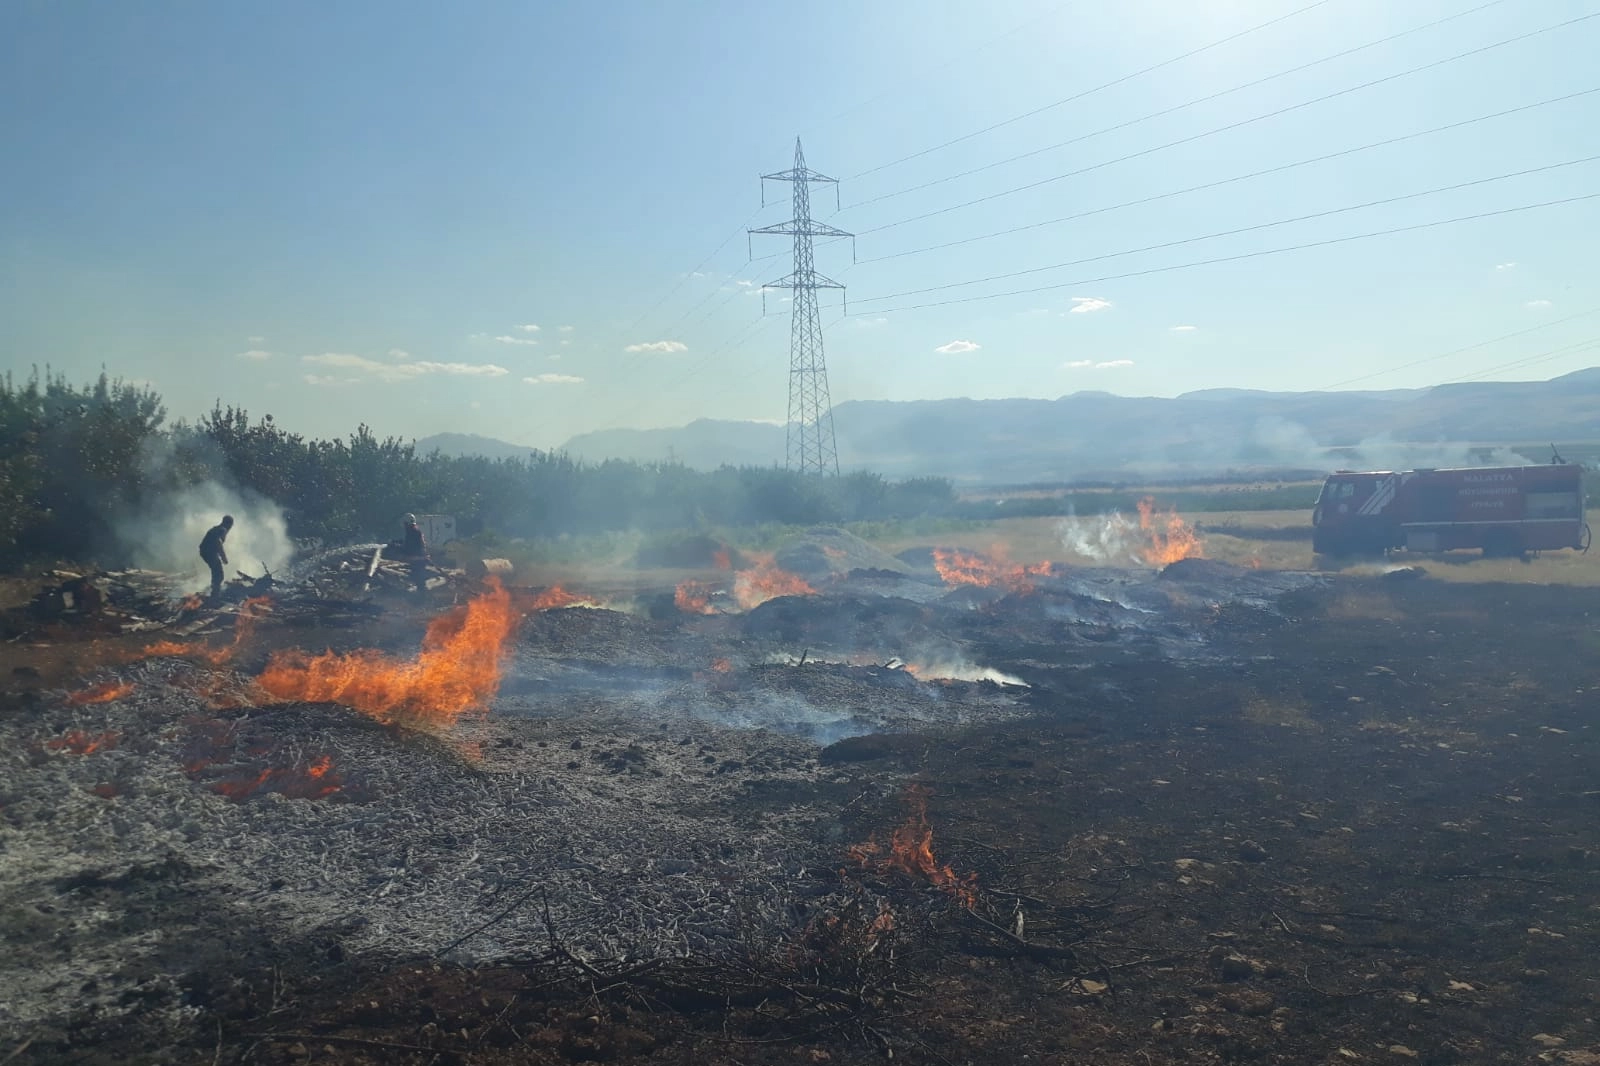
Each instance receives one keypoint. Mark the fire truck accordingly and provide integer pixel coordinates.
(1506, 511)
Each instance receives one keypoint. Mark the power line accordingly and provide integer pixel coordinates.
(1235, 232)
(1541, 357)
(1090, 92)
(1246, 255)
(1233, 125)
(1177, 107)
(963, 57)
(1459, 351)
(1230, 180)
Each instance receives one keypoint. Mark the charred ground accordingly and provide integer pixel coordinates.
(1349, 820)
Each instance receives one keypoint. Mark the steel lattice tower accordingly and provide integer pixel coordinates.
(811, 444)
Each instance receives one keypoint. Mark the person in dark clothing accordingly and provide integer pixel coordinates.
(415, 549)
(215, 555)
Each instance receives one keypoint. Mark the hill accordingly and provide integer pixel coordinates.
(1213, 431)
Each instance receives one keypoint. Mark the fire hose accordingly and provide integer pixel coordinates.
(1584, 539)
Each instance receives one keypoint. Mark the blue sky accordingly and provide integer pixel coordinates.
(360, 212)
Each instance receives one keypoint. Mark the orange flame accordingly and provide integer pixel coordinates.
(79, 742)
(960, 568)
(1171, 538)
(251, 612)
(104, 692)
(458, 669)
(911, 852)
(316, 781)
(167, 647)
(765, 581)
(721, 666)
(694, 597)
(722, 559)
(550, 599)
(192, 602)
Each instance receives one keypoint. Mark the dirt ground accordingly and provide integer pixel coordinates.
(1361, 829)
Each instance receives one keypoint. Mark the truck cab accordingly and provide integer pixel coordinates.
(1350, 516)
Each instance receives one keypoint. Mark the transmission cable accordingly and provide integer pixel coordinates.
(1459, 351)
(1230, 180)
(1175, 108)
(1235, 232)
(1232, 125)
(1247, 255)
(1541, 357)
(1090, 92)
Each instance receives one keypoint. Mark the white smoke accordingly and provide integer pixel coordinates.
(1105, 538)
(166, 536)
(957, 669)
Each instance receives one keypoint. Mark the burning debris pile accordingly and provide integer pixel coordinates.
(457, 671)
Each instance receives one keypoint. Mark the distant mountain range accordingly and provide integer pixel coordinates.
(1098, 435)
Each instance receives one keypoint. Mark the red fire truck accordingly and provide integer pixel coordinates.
(1505, 510)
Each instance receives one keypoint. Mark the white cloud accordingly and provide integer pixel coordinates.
(394, 372)
(256, 340)
(1182, 329)
(958, 347)
(1084, 305)
(565, 329)
(254, 353)
(477, 370)
(564, 343)
(343, 359)
(474, 405)
(553, 379)
(399, 353)
(327, 379)
(1538, 305)
(870, 323)
(1090, 364)
(516, 340)
(1505, 266)
(529, 328)
(658, 346)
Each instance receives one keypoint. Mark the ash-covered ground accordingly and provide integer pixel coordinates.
(1205, 813)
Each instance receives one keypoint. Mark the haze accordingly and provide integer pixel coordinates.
(526, 221)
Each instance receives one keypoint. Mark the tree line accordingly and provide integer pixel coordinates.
(74, 459)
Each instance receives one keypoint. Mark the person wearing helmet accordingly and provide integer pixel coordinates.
(215, 555)
(415, 550)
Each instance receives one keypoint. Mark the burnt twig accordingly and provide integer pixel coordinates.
(355, 1041)
(475, 930)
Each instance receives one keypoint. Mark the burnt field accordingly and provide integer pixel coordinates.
(1203, 814)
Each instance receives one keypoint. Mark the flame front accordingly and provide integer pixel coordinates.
(552, 598)
(961, 568)
(104, 692)
(79, 742)
(458, 669)
(765, 581)
(911, 852)
(1171, 538)
(313, 782)
(694, 597)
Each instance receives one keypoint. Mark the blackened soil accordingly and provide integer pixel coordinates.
(1372, 837)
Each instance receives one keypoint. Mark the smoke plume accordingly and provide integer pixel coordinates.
(1104, 538)
(167, 534)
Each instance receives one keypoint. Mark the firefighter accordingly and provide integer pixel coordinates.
(215, 555)
(415, 550)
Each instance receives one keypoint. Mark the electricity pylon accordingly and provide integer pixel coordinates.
(811, 444)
